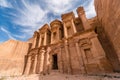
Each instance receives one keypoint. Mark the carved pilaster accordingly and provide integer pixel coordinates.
(32, 64)
(38, 63)
(68, 58)
(74, 28)
(35, 64)
(80, 58)
(45, 41)
(42, 52)
(61, 61)
(46, 63)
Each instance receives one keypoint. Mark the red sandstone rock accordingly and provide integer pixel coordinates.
(108, 15)
(12, 57)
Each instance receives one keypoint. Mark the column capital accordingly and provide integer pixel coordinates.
(80, 10)
(36, 34)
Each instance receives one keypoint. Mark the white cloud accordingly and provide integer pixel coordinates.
(90, 9)
(31, 16)
(19, 36)
(59, 7)
(8, 33)
(5, 3)
(63, 6)
(11, 35)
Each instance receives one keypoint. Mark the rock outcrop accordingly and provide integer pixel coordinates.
(108, 15)
(12, 54)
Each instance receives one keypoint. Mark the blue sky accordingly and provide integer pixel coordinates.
(20, 18)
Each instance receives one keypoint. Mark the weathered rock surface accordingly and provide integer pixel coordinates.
(12, 57)
(108, 14)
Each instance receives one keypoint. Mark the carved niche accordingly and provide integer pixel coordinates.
(86, 45)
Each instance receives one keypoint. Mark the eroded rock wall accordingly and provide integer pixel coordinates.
(108, 15)
(12, 54)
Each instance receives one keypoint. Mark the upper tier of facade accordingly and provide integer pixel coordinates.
(59, 30)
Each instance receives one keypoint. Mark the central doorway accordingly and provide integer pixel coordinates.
(55, 62)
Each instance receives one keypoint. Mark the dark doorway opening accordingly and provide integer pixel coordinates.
(55, 62)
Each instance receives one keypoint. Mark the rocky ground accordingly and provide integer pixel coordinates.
(58, 76)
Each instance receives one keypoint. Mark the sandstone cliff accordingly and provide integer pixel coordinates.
(12, 57)
(108, 15)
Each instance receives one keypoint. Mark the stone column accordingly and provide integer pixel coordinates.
(34, 41)
(45, 39)
(32, 64)
(35, 64)
(42, 61)
(28, 65)
(65, 31)
(39, 44)
(58, 34)
(46, 62)
(82, 16)
(51, 37)
(73, 25)
(61, 60)
(68, 58)
(80, 58)
(38, 63)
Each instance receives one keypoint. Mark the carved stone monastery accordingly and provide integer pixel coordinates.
(71, 46)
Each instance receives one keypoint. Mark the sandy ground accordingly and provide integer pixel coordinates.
(59, 76)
